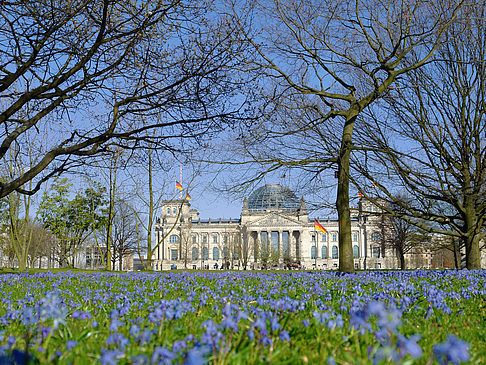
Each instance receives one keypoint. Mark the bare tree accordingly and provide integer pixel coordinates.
(124, 233)
(185, 242)
(320, 64)
(85, 72)
(431, 140)
(402, 237)
(243, 248)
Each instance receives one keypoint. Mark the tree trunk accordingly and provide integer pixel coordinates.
(473, 261)
(471, 240)
(401, 256)
(346, 262)
(456, 249)
(151, 213)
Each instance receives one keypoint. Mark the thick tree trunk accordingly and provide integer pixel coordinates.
(346, 262)
(471, 239)
(473, 261)
(401, 256)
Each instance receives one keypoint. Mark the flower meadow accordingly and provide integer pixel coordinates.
(414, 317)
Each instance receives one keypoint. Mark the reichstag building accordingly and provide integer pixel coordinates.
(274, 230)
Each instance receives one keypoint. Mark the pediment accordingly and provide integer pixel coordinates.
(275, 219)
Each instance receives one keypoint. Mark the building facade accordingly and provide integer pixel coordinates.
(274, 230)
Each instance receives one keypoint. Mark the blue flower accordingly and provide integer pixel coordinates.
(197, 356)
(140, 360)
(28, 317)
(162, 355)
(284, 336)
(110, 357)
(71, 344)
(453, 350)
(410, 346)
(80, 315)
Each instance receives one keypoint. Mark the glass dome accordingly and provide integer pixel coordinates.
(273, 196)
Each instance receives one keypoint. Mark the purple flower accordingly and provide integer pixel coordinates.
(453, 350)
(140, 360)
(284, 336)
(28, 317)
(260, 323)
(110, 357)
(117, 339)
(162, 355)
(410, 346)
(197, 356)
(71, 344)
(266, 341)
(81, 315)
(322, 317)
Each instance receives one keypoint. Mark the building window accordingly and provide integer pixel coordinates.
(205, 253)
(195, 253)
(355, 237)
(334, 252)
(204, 239)
(324, 237)
(173, 255)
(236, 255)
(215, 239)
(324, 252)
(334, 237)
(286, 243)
(225, 253)
(174, 211)
(355, 251)
(375, 236)
(168, 211)
(376, 252)
(194, 239)
(174, 238)
(225, 239)
(215, 253)
(313, 238)
(263, 239)
(313, 252)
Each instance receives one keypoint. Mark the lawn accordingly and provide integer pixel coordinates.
(419, 317)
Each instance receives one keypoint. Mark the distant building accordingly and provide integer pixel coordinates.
(274, 230)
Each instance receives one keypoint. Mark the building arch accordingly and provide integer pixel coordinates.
(355, 251)
(324, 252)
(335, 252)
(215, 253)
(195, 253)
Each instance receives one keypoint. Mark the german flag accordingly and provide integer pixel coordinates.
(319, 227)
(188, 197)
(178, 185)
(360, 195)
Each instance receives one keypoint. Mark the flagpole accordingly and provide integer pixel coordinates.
(315, 256)
(181, 180)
